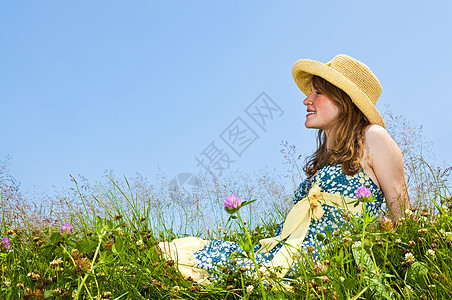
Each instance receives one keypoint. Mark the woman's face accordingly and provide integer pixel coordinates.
(322, 111)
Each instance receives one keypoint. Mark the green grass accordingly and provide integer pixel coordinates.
(114, 257)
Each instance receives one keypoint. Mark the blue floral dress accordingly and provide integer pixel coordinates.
(330, 179)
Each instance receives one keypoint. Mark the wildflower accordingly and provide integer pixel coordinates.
(34, 276)
(7, 283)
(120, 231)
(139, 242)
(176, 288)
(408, 212)
(409, 258)
(412, 243)
(197, 288)
(249, 289)
(363, 193)
(423, 230)
(448, 236)
(66, 228)
(310, 249)
(318, 267)
(5, 243)
(386, 225)
(321, 290)
(82, 265)
(431, 253)
(357, 244)
(56, 262)
(170, 262)
(232, 203)
(325, 279)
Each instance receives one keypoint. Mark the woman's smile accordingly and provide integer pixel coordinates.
(321, 110)
(310, 112)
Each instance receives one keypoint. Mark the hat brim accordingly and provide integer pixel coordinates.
(304, 69)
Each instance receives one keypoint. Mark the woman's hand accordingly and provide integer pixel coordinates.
(385, 159)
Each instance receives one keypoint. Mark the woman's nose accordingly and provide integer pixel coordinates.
(308, 100)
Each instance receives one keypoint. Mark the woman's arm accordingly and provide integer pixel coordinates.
(386, 160)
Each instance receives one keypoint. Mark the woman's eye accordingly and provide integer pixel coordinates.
(318, 93)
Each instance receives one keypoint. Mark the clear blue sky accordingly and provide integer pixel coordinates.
(89, 86)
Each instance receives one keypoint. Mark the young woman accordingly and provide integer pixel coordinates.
(354, 150)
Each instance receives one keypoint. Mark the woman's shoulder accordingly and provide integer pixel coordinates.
(376, 132)
(377, 138)
(378, 143)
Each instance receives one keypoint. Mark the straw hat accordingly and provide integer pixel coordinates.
(348, 74)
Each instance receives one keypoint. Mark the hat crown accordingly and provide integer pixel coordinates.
(359, 74)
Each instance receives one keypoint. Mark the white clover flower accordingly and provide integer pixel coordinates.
(431, 253)
(408, 212)
(139, 242)
(398, 240)
(7, 283)
(176, 288)
(445, 209)
(423, 219)
(249, 289)
(448, 237)
(56, 262)
(409, 257)
(346, 233)
(357, 244)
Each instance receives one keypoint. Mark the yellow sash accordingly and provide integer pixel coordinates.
(297, 224)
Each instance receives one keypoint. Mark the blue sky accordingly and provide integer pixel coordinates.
(131, 85)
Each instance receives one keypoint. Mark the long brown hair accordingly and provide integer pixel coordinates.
(347, 134)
